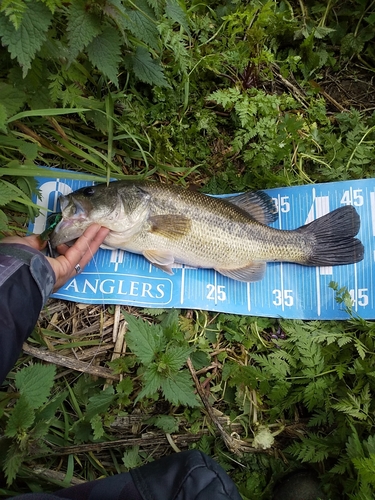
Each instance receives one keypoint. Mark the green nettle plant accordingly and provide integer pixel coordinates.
(228, 96)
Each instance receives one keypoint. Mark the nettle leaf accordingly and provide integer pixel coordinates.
(3, 118)
(49, 410)
(152, 382)
(322, 31)
(29, 150)
(179, 389)
(13, 462)
(83, 27)
(22, 418)
(175, 12)
(97, 427)
(131, 458)
(23, 43)
(157, 6)
(3, 221)
(105, 53)
(142, 27)
(166, 423)
(175, 357)
(12, 99)
(35, 383)
(143, 339)
(147, 69)
(100, 402)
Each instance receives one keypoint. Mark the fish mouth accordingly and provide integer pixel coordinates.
(68, 230)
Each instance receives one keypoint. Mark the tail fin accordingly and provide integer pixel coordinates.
(332, 237)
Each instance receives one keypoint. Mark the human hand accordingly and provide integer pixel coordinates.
(64, 266)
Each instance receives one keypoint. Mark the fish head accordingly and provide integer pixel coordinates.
(119, 206)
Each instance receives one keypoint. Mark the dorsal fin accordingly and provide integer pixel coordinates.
(258, 204)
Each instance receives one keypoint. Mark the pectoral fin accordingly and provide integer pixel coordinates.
(253, 272)
(170, 226)
(162, 260)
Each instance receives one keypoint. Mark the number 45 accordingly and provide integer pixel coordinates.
(352, 197)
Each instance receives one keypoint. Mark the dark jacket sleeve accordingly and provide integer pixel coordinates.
(26, 281)
(189, 475)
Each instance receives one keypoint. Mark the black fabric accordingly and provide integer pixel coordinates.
(20, 305)
(190, 475)
(119, 487)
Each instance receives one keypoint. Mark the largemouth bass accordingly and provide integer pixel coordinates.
(168, 225)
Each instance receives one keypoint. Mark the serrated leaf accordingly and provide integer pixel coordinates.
(143, 339)
(49, 410)
(21, 419)
(105, 53)
(12, 463)
(83, 27)
(35, 382)
(3, 221)
(100, 402)
(175, 12)
(14, 10)
(147, 70)
(131, 458)
(3, 118)
(166, 423)
(125, 386)
(157, 6)
(11, 98)
(366, 468)
(175, 357)
(23, 43)
(200, 359)
(179, 389)
(152, 382)
(322, 31)
(141, 26)
(97, 427)
(29, 150)
(351, 44)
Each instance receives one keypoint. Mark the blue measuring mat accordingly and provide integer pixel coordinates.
(287, 290)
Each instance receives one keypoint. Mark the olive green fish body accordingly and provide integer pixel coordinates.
(171, 225)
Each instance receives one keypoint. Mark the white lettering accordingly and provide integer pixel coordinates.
(160, 289)
(93, 288)
(120, 291)
(110, 289)
(146, 290)
(134, 288)
(72, 284)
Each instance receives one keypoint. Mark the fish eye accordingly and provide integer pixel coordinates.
(88, 191)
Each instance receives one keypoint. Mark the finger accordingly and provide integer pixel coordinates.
(62, 249)
(94, 246)
(89, 242)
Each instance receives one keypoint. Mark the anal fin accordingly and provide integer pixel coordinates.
(253, 272)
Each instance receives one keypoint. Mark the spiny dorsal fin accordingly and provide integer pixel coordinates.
(257, 204)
